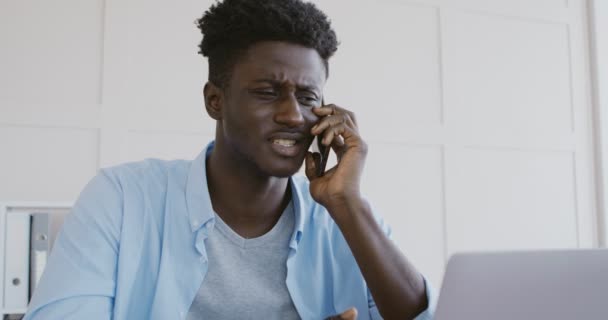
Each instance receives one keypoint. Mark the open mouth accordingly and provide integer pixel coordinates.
(284, 142)
(286, 147)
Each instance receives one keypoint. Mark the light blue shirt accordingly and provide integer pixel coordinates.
(133, 247)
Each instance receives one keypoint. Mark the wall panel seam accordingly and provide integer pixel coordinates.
(444, 210)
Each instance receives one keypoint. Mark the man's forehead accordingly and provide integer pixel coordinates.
(306, 79)
(280, 61)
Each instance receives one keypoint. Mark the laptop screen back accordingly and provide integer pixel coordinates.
(556, 285)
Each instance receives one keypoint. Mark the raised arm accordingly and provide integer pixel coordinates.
(397, 287)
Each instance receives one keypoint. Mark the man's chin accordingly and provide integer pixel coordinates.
(284, 171)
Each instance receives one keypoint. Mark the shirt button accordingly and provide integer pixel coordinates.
(195, 222)
(181, 314)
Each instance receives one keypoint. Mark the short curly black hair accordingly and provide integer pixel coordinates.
(230, 27)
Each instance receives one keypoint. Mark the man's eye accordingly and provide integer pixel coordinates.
(265, 94)
(309, 101)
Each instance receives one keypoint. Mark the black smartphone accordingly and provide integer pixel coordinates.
(323, 150)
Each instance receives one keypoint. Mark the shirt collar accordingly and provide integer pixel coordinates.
(200, 210)
(198, 201)
(300, 212)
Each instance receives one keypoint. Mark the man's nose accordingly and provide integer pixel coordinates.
(289, 112)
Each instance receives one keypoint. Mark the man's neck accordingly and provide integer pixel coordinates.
(249, 202)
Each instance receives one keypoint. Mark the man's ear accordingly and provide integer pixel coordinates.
(214, 99)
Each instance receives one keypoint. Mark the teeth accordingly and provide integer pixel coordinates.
(284, 142)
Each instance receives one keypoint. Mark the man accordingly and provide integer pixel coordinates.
(232, 234)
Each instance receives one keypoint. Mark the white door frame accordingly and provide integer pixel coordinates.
(598, 45)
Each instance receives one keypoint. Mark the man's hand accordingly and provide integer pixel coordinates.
(340, 184)
(350, 314)
(398, 289)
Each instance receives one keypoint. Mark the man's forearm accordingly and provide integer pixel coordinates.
(397, 287)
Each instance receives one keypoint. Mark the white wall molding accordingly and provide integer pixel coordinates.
(598, 26)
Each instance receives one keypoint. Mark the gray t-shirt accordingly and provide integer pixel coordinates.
(246, 277)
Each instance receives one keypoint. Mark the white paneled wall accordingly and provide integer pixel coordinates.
(46, 164)
(510, 199)
(477, 112)
(478, 117)
(154, 79)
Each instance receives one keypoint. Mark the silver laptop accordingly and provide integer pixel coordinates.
(538, 285)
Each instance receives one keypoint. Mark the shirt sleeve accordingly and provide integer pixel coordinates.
(79, 279)
(431, 296)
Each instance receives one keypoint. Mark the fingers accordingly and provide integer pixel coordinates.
(325, 110)
(331, 121)
(335, 122)
(338, 142)
(339, 137)
(350, 314)
(332, 109)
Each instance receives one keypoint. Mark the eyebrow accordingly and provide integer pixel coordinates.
(277, 83)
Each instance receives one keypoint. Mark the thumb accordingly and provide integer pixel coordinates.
(312, 163)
